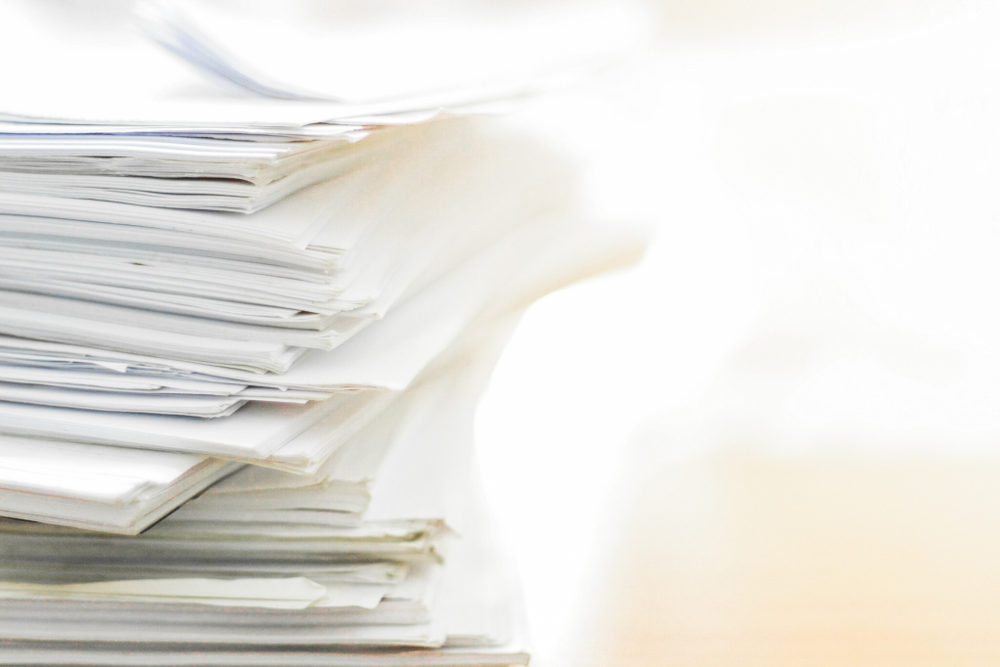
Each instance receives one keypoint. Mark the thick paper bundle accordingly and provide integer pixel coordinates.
(241, 346)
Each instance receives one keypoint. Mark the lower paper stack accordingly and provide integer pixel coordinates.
(381, 557)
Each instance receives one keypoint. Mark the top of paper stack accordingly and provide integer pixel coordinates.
(122, 65)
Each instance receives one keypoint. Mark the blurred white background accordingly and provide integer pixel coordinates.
(821, 180)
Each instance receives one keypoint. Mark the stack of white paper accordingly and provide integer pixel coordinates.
(242, 337)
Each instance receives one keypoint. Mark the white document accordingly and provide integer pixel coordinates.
(149, 79)
(100, 488)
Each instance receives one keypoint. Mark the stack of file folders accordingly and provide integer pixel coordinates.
(240, 355)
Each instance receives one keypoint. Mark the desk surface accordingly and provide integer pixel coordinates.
(757, 561)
